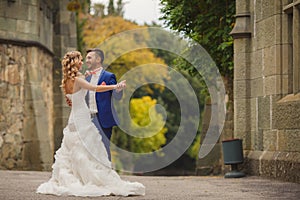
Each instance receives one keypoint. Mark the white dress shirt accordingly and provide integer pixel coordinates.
(92, 94)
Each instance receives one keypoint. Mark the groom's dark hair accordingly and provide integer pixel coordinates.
(99, 52)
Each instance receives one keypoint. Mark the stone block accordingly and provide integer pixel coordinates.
(289, 140)
(257, 7)
(64, 30)
(241, 114)
(3, 4)
(28, 27)
(287, 113)
(265, 32)
(29, 129)
(1, 141)
(30, 2)
(11, 74)
(33, 58)
(16, 126)
(255, 69)
(21, 14)
(256, 87)
(257, 139)
(243, 46)
(5, 106)
(252, 162)
(272, 60)
(242, 6)
(65, 17)
(267, 9)
(245, 113)
(287, 166)
(8, 24)
(269, 140)
(241, 89)
(11, 151)
(272, 85)
(273, 104)
(25, 36)
(34, 75)
(263, 110)
(268, 164)
(33, 13)
(241, 66)
(72, 42)
(246, 137)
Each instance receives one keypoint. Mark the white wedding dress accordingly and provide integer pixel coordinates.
(81, 165)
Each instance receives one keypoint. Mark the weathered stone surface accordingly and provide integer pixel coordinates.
(269, 123)
(288, 140)
(28, 83)
(269, 140)
(287, 113)
(263, 111)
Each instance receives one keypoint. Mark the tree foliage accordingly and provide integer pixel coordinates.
(139, 110)
(148, 140)
(207, 22)
(98, 30)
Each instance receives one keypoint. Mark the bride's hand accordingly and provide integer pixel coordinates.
(120, 86)
(87, 73)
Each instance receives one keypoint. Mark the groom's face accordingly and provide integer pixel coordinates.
(92, 60)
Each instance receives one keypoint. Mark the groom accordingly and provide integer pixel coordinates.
(103, 113)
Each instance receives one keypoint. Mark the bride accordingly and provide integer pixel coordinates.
(81, 166)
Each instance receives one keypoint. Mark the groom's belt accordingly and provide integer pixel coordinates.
(93, 115)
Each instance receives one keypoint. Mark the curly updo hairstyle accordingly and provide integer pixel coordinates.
(70, 67)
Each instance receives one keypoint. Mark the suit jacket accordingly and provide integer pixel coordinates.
(106, 112)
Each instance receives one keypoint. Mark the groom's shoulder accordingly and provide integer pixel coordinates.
(107, 73)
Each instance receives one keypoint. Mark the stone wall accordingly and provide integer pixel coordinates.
(266, 92)
(26, 108)
(34, 35)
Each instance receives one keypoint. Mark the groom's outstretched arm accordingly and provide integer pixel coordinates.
(117, 93)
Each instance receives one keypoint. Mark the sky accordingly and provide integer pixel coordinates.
(140, 11)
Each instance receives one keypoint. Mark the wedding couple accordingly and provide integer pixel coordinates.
(82, 164)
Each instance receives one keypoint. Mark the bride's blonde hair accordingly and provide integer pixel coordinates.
(70, 67)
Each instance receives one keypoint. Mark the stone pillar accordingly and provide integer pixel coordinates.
(64, 39)
(242, 50)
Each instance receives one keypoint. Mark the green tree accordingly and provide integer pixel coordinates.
(148, 139)
(207, 22)
(108, 27)
(120, 8)
(111, 8)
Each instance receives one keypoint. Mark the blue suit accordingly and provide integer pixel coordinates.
(106, 117)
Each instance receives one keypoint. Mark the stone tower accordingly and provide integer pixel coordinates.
(267, 85)
(34, 35)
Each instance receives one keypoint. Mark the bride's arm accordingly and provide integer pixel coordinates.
(82, 83)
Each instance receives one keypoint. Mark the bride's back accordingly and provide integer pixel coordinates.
(69, 86)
